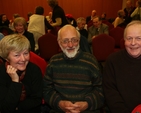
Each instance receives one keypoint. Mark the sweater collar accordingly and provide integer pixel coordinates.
(132, 59)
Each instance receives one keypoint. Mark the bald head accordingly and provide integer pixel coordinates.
(129, 4)
(68, 29)
(93, 13)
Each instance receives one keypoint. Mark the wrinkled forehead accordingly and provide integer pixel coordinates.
(134, 26)
(68, 34)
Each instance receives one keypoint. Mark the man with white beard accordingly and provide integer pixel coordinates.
(72, 83)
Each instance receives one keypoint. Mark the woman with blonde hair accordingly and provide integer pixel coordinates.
(20, 26)
(20, 80)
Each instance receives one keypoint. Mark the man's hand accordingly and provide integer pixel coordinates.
(82, 105)
(69, 107)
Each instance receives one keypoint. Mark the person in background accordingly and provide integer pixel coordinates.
(38, 25)
(89, 18)
(58, 14)
(128, 11)
(103, 16)
(20, 80)
(137, 10)
(4, 20)
(82, 27)
(119, 19)
(97, 28)
(121, 77)
(72, 83)
(20, 26)
(11, 26)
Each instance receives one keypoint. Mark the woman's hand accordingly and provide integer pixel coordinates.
(12, 73)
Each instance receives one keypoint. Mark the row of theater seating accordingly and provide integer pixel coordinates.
(103, 45)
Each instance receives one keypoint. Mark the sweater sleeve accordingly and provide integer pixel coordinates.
(50, 95)
(9, 96)
(112, 95)
(95, 98)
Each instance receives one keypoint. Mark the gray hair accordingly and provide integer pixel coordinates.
(67, 27)
(80, 19)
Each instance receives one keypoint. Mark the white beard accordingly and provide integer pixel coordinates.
(70, 54)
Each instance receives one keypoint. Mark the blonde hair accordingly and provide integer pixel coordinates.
(20, 20)
(14, 42)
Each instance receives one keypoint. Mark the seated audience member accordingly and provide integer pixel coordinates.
(4, 20)
(89, 18)
(58, 15)
(20, 80)
(103, 16)
(121, 77)
(128, 11)
(11, 26)
(97, 28)
(1, 36)
(137, 10)
(119, 19)
(81, 26)
(72, 83)
(38, 24)
(20, 27)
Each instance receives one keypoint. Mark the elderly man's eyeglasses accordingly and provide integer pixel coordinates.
(72, 40)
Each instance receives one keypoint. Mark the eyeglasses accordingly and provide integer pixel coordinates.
(72, 40)
(130, 39)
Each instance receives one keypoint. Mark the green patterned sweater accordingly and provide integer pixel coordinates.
(77, 79)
